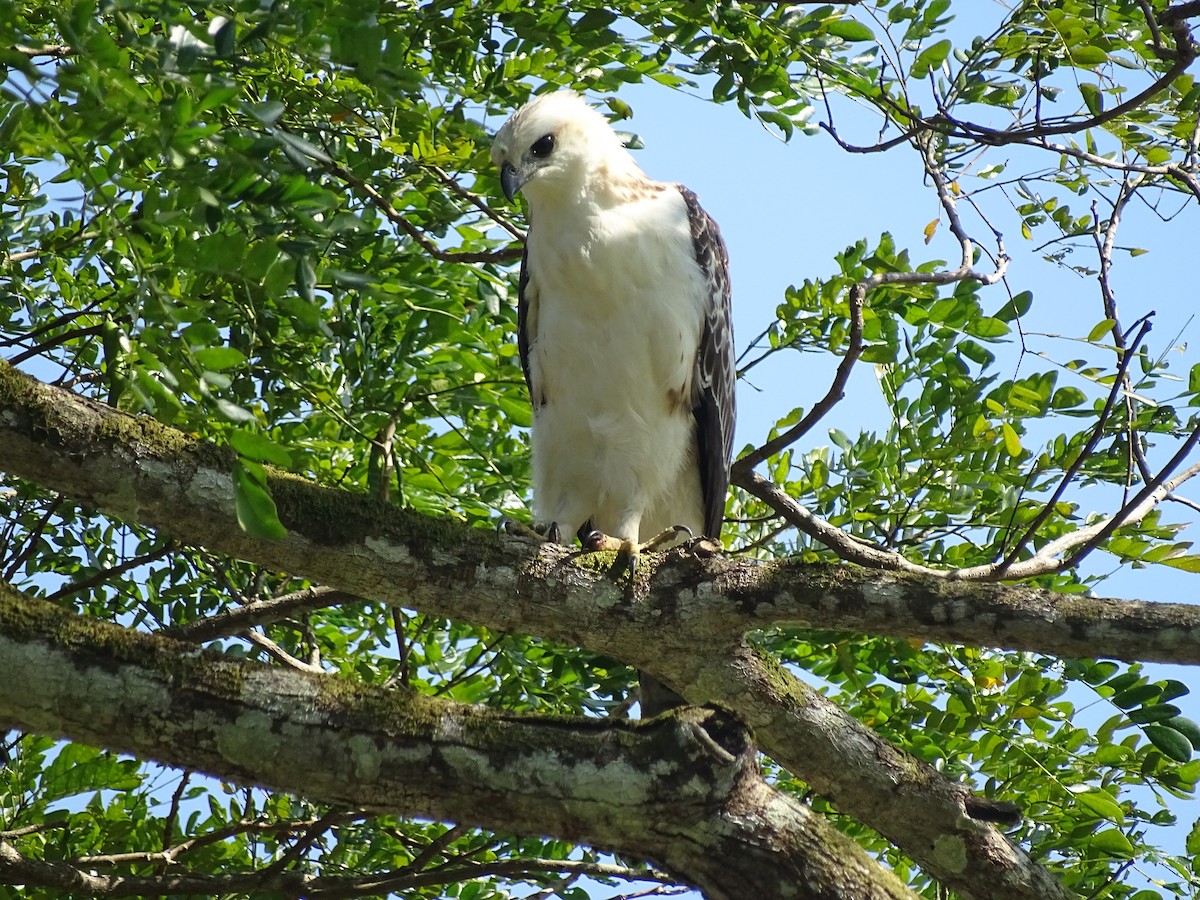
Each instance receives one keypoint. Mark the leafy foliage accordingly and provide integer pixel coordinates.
(275, 227)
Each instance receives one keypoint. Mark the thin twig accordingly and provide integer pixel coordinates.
(280, 654)
(508, 254)
(856, 300)
(56, 50)
(173, 817)
(1085, 454)
(98, 578)
(837, 390)
(260, 612)
(1144, 501)
(474, 199)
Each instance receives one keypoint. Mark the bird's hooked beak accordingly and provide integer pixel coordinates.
(512, 180)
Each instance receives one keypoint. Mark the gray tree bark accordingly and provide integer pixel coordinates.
(682, 790)
(685, 626)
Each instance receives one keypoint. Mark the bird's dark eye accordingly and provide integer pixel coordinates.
(543, 146)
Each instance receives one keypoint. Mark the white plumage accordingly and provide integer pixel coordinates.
(625, 332)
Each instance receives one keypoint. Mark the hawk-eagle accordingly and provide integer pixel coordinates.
(624, 333)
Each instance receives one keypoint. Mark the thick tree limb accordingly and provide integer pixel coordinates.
(687, 629)
(682, 789)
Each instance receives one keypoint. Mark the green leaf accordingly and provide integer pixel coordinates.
(1018, 306)
(1100, 329)
(1192, 844)
(78, 769)
(224, 40)
(1136, 695)
(1189, 563)
(1156, 713)
(300, 148)
(989, 329)
(1067, 398)
(595, 19)
(268, 111)
(1100, 802)
(779, 120)
(256, 512)
(217, 358)
(1012, 441)
(850, 30)
(306, 279)
(1188, 728)
(930, 58)
(1170, 741)
(1088, 55)
(233, 412)
(1113, 843)
(257, 446)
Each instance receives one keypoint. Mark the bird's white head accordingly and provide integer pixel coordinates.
(554, 145)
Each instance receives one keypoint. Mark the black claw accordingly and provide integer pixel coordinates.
(552, 533)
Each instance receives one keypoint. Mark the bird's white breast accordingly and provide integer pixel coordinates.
(619, 311)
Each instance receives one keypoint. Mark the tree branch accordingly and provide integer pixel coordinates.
(136, 468)
(261, 612)
(686, 793)
(837, 390)
(107, 574)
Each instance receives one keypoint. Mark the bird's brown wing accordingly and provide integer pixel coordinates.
(527, 324)
(715, 374)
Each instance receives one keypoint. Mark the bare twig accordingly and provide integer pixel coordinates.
(305, 841)
(402, 674)
(1105, 240)
(280, 654)
(1047, 560)
(846, 546)
(58, 51)
(836, 391)
(31, 540)
(56, 341)
(1085, 454)
(173, 817)
(260, 612)
(76, 878)
(112, 572)
(1145, 500)
(170, 855)
(857, 295)
(436, 846)
(476, 201)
